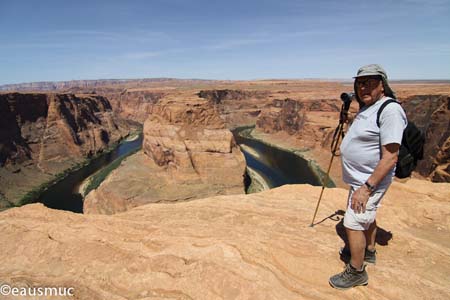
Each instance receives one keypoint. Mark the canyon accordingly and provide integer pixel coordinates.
(188, 153)
(45, 134)
(296, 115)
(173, 221)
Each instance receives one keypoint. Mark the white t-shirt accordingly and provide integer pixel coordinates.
(360, 148)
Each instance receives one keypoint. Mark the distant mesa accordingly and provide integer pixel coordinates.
(86, 84)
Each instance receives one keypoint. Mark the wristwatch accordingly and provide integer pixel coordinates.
(369, 186)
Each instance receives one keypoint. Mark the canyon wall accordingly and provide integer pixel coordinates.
(307, 121)
(41, 135)
(134, 105)
(431, 114)
(237, 107)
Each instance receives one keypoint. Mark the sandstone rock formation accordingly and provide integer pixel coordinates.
(297, 118)
(237, 107)
(134, 104)
(219, 96)
(288, 115)
(431, 113)
(188, 154)
(256, 246)
(44, 134)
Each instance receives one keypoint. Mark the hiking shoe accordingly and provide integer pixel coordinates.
(349, 278)
(369, 256)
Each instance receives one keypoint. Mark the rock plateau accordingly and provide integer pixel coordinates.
(256, 246)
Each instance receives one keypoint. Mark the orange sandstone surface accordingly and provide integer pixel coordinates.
(256, 246)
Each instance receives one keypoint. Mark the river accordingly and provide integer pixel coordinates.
(274, 166)
(64, 194)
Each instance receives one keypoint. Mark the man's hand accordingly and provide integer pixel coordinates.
(347, 117)
(360, 198)
(387, 162)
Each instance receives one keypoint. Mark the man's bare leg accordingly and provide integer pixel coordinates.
(370, 234)
(357, 241)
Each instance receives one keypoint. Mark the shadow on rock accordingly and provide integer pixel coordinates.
(337, 216)
(382, 238)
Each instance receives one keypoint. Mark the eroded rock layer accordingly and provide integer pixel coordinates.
(135, 104)
(256, 246)
(187, 154)
(297, 118)
(431, 113)
(44, 134)
(237, 107)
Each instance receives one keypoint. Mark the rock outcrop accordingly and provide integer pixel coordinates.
(187, 154)
(256, 246)
(135, 105)
(237, 107)
(41, 135)
(303, 119)
(431, 113)
(288, 115)
(219, 96)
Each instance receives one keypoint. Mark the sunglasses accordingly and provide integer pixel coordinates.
(367, 82)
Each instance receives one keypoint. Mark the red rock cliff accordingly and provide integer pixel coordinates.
(237, 107)
(431, 113)
(135, 105)
(44, 134)
(306, 120)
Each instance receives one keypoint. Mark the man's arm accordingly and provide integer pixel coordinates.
(387, 162)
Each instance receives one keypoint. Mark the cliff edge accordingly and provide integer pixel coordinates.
(255, 246)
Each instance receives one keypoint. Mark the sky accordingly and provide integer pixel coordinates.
(231, 40)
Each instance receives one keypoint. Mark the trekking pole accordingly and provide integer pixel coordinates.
(338, 133)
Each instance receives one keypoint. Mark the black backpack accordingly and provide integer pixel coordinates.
(411, 149)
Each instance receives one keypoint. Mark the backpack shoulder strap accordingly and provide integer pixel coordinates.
(380, 110)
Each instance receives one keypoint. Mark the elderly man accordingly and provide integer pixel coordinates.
(369, 153)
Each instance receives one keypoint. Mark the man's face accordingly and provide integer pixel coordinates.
(369, 89)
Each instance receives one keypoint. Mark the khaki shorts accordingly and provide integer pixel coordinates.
(362, 221)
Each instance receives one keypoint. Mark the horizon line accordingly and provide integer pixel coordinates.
(3, 85)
